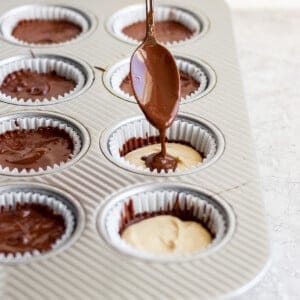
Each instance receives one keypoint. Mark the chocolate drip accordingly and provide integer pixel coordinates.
(156, 161)
(136, 143)
(27, 84)
(29, 227)
(183, 211)
(155, 81)
(32, 149)
(46, 31)
(165, 31)
(187, 83)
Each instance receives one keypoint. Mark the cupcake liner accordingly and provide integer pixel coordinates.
(191, 68)
(134, 14)
(42, 65)
(28, 123)
(209, 214)
(11, 199)
(182, 130)
(41, 12)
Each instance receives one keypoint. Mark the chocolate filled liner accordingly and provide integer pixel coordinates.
(28, 123)
(9, 200)
(41, 12)
(134, 14)
(192, 69)
(42, 65)
(181, 130)
(211, 217)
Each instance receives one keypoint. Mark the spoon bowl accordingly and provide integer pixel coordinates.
(155, 78)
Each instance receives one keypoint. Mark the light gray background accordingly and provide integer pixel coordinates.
(268, 41)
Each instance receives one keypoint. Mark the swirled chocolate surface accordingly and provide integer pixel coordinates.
(46, 31)
(29, 227)
(34, 149)
(187, 83)
(26, 84)
(165, 31)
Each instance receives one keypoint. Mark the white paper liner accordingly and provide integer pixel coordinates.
(208, 214)
(28, 123)
(196, 135)
(42, 65)
(192, 69)
(11, 199)
(41, 12)
(131, 15)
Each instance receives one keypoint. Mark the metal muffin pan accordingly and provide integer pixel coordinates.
(89, 268)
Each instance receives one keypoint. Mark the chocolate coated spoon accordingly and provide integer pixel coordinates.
(156, 86)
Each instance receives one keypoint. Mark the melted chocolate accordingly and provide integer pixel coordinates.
(136, 143)
(187, 85)
(32, 85)
(156, 87)
(29, 227)
(46, 31)
(158, 162)
(165, 31)
(32, 149)
(184, 212)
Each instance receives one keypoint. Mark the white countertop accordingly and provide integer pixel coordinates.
(268, 41)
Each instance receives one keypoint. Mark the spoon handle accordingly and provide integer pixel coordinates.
(149, 17)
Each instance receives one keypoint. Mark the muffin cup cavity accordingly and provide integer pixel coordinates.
(32, 120)
(136, 13)
(198, 70)
(9, 201)
(64, 67)
(211, 211)
(203, 136)
(42, 12)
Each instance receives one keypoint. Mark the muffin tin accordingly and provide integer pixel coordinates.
(88, 266)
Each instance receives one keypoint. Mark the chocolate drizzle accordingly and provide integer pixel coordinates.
(29, 227)
(46, 31)
(26, 84)
(181, 209)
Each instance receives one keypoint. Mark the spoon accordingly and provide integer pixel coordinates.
(156, 86)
